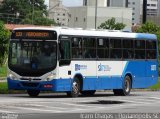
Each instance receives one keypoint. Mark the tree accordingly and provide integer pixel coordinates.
(4, 38)
(111, 24)
(39, 19)
(13, 9)
(148, 27)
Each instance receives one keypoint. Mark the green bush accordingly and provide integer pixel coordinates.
(3, 71)
(3, 88)
(156, 86)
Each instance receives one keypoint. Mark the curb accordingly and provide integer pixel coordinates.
(3, 79)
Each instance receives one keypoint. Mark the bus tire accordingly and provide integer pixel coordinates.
(126, 87)
(33, 93)
(88, 92)
(76, 86)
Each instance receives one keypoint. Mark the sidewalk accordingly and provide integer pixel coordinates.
(3, 79)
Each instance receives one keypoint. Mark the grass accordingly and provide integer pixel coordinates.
(3, 88)
(3, 71)
(156, 86)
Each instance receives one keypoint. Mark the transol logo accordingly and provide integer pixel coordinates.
(104, 67)
(80, 67)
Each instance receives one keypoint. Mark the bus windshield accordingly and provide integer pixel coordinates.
(32, 58)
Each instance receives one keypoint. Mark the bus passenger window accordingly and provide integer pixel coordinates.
(140, 54)
(151, 50)
(76, 47)
(64, 48)
(140, 49)
(151, 54)
(116, 53)
(115, 48)
(102, 48)
(150, 44)
(128, 53)
(100, 53)
(140, 44)
(89, 48)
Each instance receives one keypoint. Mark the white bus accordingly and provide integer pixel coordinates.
(81, 61)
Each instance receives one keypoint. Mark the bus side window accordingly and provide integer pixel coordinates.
(76, 47)
(115, 48)
(89, 48)
(140, 49)
(128, 51)
(151, 49)
(64, 48)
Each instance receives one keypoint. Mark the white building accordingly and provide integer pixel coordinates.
(100, 3)
(134, 4)
(84, 17)
(153, 11)
(58, 12)
(153, 7)
(118, 3)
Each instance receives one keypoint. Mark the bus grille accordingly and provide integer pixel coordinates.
(26, 79)
(26, 84)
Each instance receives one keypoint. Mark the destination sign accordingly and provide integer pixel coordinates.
(34, 34)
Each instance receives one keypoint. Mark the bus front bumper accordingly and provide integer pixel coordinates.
(53, 85)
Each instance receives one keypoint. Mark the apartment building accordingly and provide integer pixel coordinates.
(58, 12)
(84, 17)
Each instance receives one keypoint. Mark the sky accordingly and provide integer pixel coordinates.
(69, 2)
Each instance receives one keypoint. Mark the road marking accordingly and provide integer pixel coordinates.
(155, 98)
(131, 101)
(145, 100)
(35, 109)
(4, 111)
(54, 107)
(79, 105)
(121, 106)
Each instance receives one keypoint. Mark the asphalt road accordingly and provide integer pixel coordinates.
(59, 106)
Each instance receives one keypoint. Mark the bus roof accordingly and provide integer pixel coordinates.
(102, 33)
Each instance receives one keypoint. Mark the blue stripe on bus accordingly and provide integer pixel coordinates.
(146, 36)
(58, 85)
(125, 68)
(142, 77)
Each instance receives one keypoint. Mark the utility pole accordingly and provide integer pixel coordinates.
(33, 12)
(96, 15)
(144, 11)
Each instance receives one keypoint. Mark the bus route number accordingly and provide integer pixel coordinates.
(18, 34)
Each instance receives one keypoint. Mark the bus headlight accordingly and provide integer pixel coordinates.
(50, 77)
(11, 76)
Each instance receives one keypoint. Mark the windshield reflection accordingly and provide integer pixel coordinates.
(33, 57)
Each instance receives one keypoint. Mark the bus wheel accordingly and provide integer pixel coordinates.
(75, 88)
(33, 93)
(88, 93)
(126, 87)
